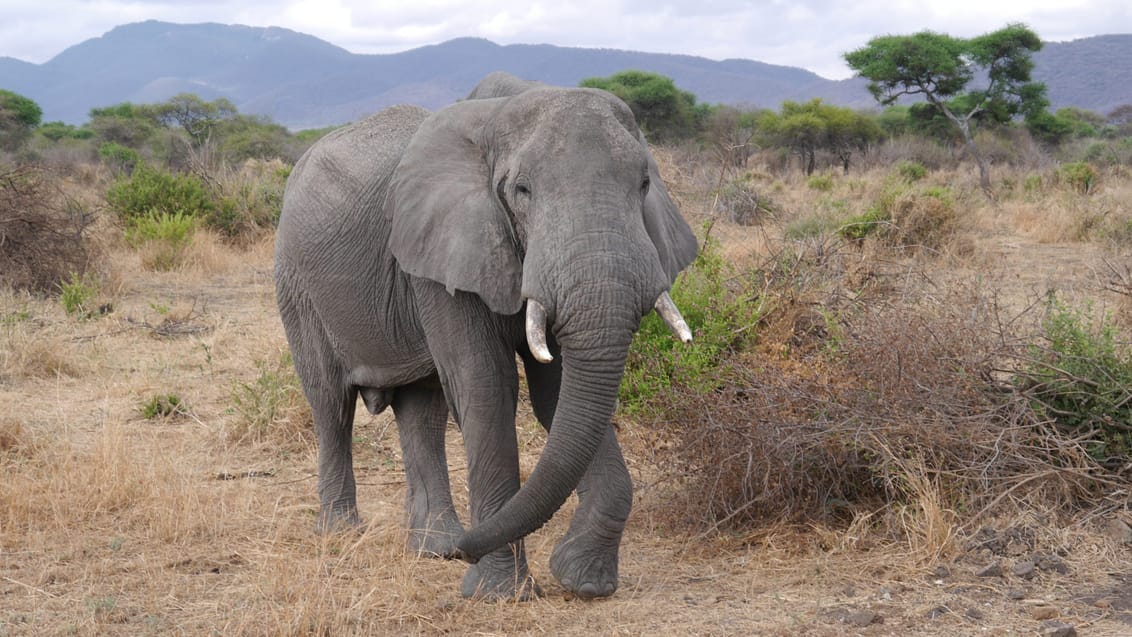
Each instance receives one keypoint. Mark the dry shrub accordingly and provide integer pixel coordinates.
(903, 415)
(923, 220)
(44, 234)
(13, 438)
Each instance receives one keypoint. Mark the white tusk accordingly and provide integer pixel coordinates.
(536, 331)
(671, 315)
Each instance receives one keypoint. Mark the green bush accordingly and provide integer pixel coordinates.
(149, 190)
(164, 236)
(77, 295)
(821, 183)
(249, 200)
(1080, 176)
(118, 157)
(1080, 379)
(163, 406)
(271, 406)
(911, 171)
(873, 220)
(721, 320)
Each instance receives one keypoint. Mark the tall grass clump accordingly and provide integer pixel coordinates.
(721, 320)
(271, 406)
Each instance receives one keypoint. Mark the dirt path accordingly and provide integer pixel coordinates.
(114, 524)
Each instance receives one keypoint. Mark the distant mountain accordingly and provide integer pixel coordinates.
(303, 82)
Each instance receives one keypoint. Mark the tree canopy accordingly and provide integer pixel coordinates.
(665, 112)
(942, 68)
(19, 115)
(807, 127)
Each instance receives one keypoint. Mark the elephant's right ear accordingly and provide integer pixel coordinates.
(447, 226)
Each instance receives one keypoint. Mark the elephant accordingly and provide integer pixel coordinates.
(420, 257)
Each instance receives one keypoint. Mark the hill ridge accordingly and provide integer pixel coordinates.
(302, 81)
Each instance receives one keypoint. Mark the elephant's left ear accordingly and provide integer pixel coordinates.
(446, 224)
(675, 242)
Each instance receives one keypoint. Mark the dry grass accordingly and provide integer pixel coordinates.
(201, 523)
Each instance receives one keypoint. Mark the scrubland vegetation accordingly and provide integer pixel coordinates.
(898, 380)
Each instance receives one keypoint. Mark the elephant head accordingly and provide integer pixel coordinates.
(548, 199)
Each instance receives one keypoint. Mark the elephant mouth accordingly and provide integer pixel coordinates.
(536, 325)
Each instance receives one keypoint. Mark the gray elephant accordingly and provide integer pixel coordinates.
(408, 247)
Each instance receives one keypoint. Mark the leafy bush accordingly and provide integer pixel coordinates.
(272, 406)
(911, 171)
(163, 406)
(858, 227)
(822, 183)
(1081, 380)
(1080, 176)
(249, 200)
(148, 190)
(720, 320)
(77, 295)
(118, 157)
(163, 236)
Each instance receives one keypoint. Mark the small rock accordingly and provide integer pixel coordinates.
(849, 591)
(1043, 612)
(941, 572)
(863, 618)
(1052, 563)
(1057, 629)
(938, 611)
(1119, 531)
(991, 570)
(1024, 569)
(974, 613)
(1016, 594)
(1103, 602)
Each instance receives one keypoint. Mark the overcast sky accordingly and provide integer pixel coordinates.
(811, 34)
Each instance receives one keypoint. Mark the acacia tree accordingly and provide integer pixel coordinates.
(941, 67)
(807, 127)
(665, 112)
(19, 115)
(195, 116)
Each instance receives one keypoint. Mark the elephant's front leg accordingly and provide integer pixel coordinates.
(422, 418)
(474, 353)
(585, 559)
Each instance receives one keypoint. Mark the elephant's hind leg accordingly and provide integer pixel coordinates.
(422, 417)
(332, 403)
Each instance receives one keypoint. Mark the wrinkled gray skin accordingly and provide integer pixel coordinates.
(407, 247)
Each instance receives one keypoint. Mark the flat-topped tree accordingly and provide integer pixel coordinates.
(942, 68)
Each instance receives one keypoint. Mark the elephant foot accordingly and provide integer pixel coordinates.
(500, 578)
(336, 520)
(585, 567)
(437, 539)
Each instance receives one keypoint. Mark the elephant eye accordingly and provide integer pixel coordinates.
(522, 189)
(645, 185)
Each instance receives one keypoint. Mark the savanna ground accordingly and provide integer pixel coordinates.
(159, 473)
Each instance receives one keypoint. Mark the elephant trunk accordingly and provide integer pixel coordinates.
(593, 361)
